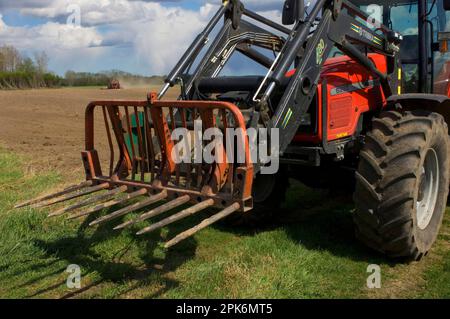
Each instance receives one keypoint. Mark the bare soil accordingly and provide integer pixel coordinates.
(47, 125)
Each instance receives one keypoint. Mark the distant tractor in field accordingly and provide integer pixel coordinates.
(114, 84)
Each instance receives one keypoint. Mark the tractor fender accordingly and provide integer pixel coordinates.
(420, 101)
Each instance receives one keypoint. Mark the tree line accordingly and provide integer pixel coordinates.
(20, 72)
(72, 78)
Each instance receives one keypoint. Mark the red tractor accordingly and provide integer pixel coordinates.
(114, 84)
(350, 92)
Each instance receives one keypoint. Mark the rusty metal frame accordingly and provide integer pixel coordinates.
(124, 167)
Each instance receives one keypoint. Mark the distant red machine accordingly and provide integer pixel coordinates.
(114, 84)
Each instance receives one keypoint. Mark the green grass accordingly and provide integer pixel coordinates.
(310, 253)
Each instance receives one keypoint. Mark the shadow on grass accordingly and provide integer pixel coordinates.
(4, 267)
(332, 230)
(318, 220)
(80, 250)
(313, 219)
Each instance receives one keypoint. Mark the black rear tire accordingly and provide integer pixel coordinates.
(390, 183)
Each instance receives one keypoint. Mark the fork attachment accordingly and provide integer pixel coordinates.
(154, 154)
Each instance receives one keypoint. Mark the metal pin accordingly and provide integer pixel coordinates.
(129, 209)
(95, 209)
(205, 223)
(47, 197)
(157, 211)
(184, 213)
(69, 196)
(89, 201)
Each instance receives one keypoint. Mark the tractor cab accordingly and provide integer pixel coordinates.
(424, 51)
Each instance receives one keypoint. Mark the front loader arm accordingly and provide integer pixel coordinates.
(338, 27)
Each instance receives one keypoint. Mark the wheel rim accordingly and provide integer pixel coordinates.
(428, 189)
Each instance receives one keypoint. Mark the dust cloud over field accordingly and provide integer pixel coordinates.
(47, 125)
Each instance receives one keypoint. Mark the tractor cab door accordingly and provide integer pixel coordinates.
(440, 22)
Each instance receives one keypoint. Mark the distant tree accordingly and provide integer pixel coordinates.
(70, 77)
(41, 59)
(10, 58)
(17, 71)
(27, 65)
(2, 61)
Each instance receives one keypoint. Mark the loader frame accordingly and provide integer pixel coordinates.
(162, 170)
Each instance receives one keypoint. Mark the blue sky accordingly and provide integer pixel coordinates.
(139, 36)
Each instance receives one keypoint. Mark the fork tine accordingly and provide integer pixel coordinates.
(89, 201)
(205, 223)
(153, 199)
(50, 196)
(69, 196)
(97, 208)
(157, 211)
(172, 219)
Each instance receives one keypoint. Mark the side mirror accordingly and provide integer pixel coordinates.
(446, 5)
(294, 10)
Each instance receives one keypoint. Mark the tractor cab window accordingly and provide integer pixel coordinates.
(402, 16)
(440, 21)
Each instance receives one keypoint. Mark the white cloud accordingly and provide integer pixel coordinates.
(155, 35)
(68, 46)
(98, 12)
(2, 24)
(117, 11)
(161, 40)
(49, 35)
(258, 5)
(14, 4)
